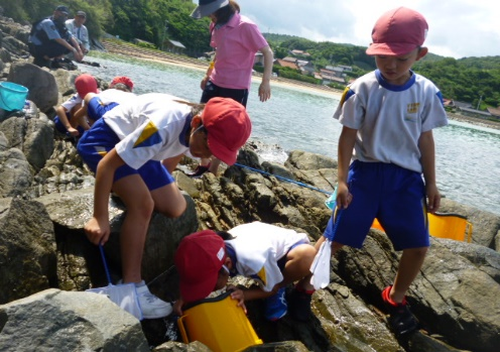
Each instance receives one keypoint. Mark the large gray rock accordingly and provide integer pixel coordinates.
(43, 90)
(15, 173)
(454, 297)
(54, 320)
(27, 249)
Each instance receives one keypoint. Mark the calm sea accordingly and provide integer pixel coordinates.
(467, 156)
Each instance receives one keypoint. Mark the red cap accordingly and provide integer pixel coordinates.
(198, 259)
(228, 127)
(85, 84)
(398, 32)
(123, 80)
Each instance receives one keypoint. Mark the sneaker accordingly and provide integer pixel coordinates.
(401, 319)
(152, 307)
(300, 304)
(200, 170)
(276, 306)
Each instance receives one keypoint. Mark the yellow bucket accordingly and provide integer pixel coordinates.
(444, 225)
(219, 324)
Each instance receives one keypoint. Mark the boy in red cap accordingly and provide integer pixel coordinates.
(65, 121)
(387, 117)
(273, 256)
(95, 105)
(125, 149)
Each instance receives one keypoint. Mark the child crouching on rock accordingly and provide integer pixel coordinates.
(125, 149)
(273, 256)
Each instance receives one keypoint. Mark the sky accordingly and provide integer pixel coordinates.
(457, 28)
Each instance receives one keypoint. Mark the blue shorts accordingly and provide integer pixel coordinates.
(96, 109)
(100, 139)
(393, 195)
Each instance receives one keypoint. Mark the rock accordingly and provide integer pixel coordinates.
(27, 249)
(71, 321)
(43, 90)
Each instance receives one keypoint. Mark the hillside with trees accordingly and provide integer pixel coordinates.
(473, 80)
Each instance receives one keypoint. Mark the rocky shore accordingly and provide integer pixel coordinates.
(46, 262)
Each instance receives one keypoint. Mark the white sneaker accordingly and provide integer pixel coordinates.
(152, 307)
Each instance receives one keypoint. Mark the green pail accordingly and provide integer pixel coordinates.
(12, 96)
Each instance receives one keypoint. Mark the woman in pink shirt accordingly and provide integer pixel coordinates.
(236, 40)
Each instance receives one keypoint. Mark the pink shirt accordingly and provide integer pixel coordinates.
(236, 44)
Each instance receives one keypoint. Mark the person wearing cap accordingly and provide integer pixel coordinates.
(236, 40)
(125, 149)
(66, 120)
(77, 27)
(95, 105)
(50, 40)
(272, 256)
(385, 147)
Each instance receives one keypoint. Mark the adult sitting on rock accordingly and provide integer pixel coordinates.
(49, 40)
(77, 27)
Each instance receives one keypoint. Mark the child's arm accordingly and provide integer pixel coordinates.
(207, 75)
(63, 117)
(80, 117)
(97, 228)
(265, 86)
(345, 150)
(426, 145)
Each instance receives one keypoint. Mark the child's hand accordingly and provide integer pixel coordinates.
(178, 306)
(433, 198)
(344, 197)
(97, 233)
(239, 295)
(73, 132)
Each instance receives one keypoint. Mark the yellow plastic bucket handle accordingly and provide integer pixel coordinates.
(182, 329)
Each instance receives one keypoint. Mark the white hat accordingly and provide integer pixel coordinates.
(207, 7)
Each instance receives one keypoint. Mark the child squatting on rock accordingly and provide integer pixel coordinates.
(270, 255)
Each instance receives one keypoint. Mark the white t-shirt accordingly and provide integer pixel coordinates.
(151, 127)
(114, 96)
(390, 119)
(258, 247)
(72, 102)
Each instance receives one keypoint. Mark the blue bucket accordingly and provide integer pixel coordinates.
(12, 96)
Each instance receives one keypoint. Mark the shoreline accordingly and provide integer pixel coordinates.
(127, 49)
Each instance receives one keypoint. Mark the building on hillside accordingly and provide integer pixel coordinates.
(330, 76)
(306, 67)
(173, 46)
(290, 59)
(495, 112)
(345, 68)
(299, 53)
(474, 113)
(284, 63)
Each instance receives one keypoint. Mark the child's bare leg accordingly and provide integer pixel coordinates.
(169, 200)
(409, 266)
(299, 261)
(135, 194)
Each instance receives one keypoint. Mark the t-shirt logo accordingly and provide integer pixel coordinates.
(148, 137)
(412, 108)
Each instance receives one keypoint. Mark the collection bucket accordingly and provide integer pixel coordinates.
(12, 96)
(219, 324)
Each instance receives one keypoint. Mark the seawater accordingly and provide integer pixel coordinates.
(467, 156)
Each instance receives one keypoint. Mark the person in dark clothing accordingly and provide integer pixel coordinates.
(50, 39)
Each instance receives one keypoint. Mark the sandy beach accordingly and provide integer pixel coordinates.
(122, 48)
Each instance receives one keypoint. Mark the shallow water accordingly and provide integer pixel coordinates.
(467, 156)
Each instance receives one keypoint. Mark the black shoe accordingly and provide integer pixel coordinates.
(300, 305)
(200, 170)
(400, 319)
